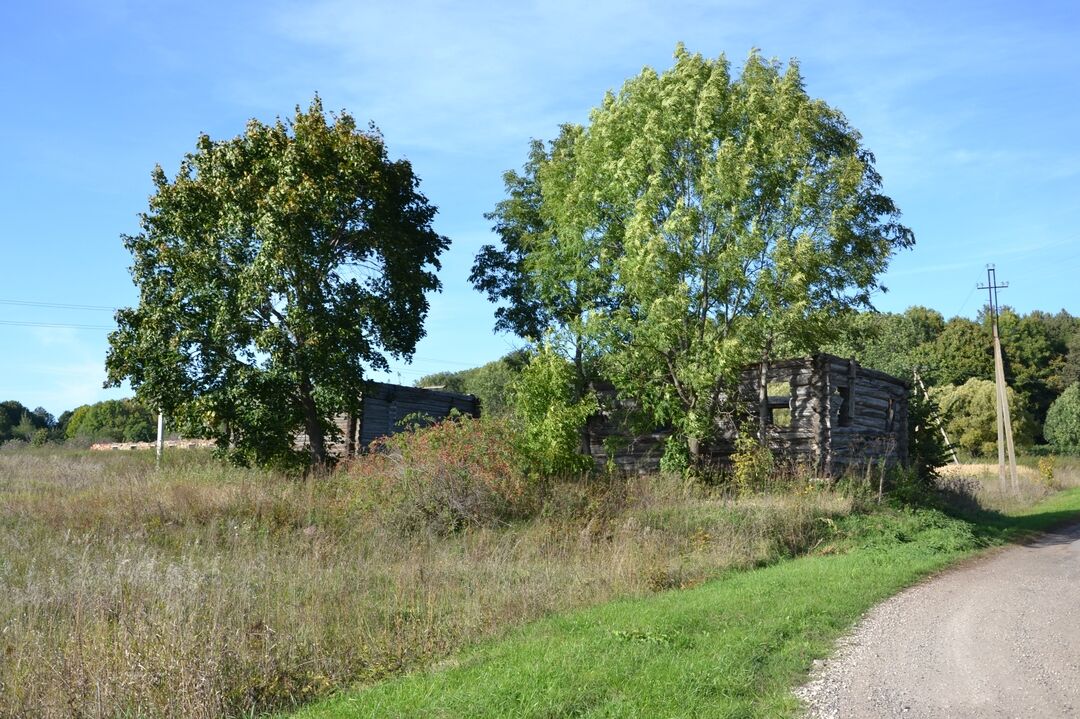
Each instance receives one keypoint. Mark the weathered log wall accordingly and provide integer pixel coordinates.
(383, 407)
(873, 427)
(820, 431)
(386, 405)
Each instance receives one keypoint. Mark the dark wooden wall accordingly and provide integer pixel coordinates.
(383, 406)
(819, 431)
(875, 426)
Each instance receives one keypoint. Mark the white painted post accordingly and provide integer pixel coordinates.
(160, 437)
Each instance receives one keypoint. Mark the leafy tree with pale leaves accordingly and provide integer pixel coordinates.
(549, 416)
(729, 219)
(970, 415)
(272, 270)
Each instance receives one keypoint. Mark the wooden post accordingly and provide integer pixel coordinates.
(852, 378)
(823, 389)
(944, 434)
(160, 437)
(763, 402)
(1004, 420)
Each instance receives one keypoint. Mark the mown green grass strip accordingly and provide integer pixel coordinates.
(730, 648)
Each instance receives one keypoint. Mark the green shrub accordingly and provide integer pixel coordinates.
(752, 464)
(550, 418)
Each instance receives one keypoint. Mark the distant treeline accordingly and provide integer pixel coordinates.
(490, 383)
(955, 359)
(113, 420)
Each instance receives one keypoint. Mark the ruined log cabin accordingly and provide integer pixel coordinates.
(383, 407)
(824, 412)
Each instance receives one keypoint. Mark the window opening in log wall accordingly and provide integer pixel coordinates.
(779, 399)
(846, 413)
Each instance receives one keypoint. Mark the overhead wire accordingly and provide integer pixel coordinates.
(105, 308)
(60, 325)
(964, 304)
(58, 305)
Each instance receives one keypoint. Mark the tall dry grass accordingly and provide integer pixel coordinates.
(206, 590)
(1037, 477)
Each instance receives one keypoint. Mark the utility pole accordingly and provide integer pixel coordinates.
(1004, 421)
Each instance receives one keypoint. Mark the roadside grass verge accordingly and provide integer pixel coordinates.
(733, 647)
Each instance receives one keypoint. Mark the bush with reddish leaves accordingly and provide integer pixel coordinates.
(450, 475)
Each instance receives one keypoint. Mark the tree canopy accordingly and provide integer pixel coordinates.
(21, 423)
(701, 221)
(491, 383)
(272, 270)
(550, 277)
(116, 420)
(1039, 349)
(971, 418)
(1063, 420)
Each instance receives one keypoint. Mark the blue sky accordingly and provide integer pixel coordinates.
(970, 107)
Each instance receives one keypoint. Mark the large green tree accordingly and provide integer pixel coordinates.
(895, 343)
(732, 219)
(547, 273)
(963, 350)
(1070, 368)
(1032, 361)
(272, 270)
(19, 422)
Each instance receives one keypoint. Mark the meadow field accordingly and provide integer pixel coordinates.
(203, 590)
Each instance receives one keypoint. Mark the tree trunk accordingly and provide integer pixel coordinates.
(350, 441)
(580, 385)
(763, 397)
(313, 426)
(694, 445)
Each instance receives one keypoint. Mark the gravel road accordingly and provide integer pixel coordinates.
(997, 637)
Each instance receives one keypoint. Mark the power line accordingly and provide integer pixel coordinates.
(17, 323)
(58, 305)
(444, 361)
(964, 304)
